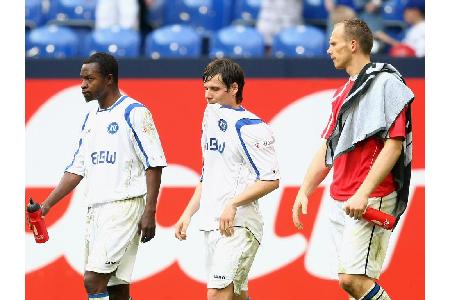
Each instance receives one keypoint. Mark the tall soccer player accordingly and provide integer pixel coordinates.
(120, 157)
(239, 167)
(368, 143)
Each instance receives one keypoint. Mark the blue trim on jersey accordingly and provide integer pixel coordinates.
(85, 120)
(236, 109)
(239, 125)
(75, 155)
(114, 105)
(372, 292)
(79, 143)
(99, 295)
(127, 118)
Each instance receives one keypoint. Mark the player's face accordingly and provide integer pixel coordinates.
(216, 92)
(340, 49)
(93, 84)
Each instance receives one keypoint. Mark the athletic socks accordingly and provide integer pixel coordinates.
(98, 296)
(376, 293)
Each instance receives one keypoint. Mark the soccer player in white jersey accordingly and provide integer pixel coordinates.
(239, 167)
(119, 155)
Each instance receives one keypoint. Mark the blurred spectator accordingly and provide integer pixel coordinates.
(338, 14)
(414, 15)
(276, 15)
(123, 13)
(144, 7)
(370, 11)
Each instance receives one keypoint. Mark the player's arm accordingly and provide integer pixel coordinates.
(356, 205)
(258, 151)
(316, 173)
(192, 207)
(253, 192)
(147, 224)
(67, 183)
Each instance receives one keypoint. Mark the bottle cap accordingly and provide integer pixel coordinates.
(33, 206)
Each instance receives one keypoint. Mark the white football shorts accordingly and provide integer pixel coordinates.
(360, 245)
(112, 238)
(228, 259)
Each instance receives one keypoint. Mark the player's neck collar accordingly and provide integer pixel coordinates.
(118, 101)
(240, 108)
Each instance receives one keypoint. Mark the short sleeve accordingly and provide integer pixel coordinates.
(398, 128)
(145, 139)
(258, 148)
(77, 165)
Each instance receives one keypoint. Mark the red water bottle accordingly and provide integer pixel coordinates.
(36, 221)
(379, 218)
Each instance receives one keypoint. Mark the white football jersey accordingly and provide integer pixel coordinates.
(116, 146)
(238, 149)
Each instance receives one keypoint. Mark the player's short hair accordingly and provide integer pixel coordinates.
(229, 71)
(107, 64)
(356, 29)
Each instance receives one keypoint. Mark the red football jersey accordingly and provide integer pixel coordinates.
(351, 168)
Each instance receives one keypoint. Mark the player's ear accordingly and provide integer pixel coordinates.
(234, 88)
(354, 45)
(110, 79)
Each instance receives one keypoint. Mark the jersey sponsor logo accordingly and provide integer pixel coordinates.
(113, 127)
(223, 125)
(263, 144)
(103, 157)
(215, 145)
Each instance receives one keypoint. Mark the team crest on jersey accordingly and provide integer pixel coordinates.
(113, 127)
(223, 125)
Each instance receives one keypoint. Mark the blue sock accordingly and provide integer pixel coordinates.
(99, 296)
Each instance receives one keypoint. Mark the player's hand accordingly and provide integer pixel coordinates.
(181, 227)
(300, 205)
(356, 206)
(146, 226)
(226, 221)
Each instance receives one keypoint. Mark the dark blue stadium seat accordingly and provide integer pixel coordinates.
(206, 16)
(393, 12)
(173, 41)
(314, 12)
(52, 41)
(73, 12)
(237, 41)
(118, 41)
(246, 11)
(301, 40)
(33, 13)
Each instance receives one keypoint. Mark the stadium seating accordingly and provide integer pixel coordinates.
(246, 11)
(117, 41)
(206, 16)
(33, 13)
(52, 41)
(393, 12)
(173, 41)
(301, 40)
(73, 12)
(314, 12)
(237, 41)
